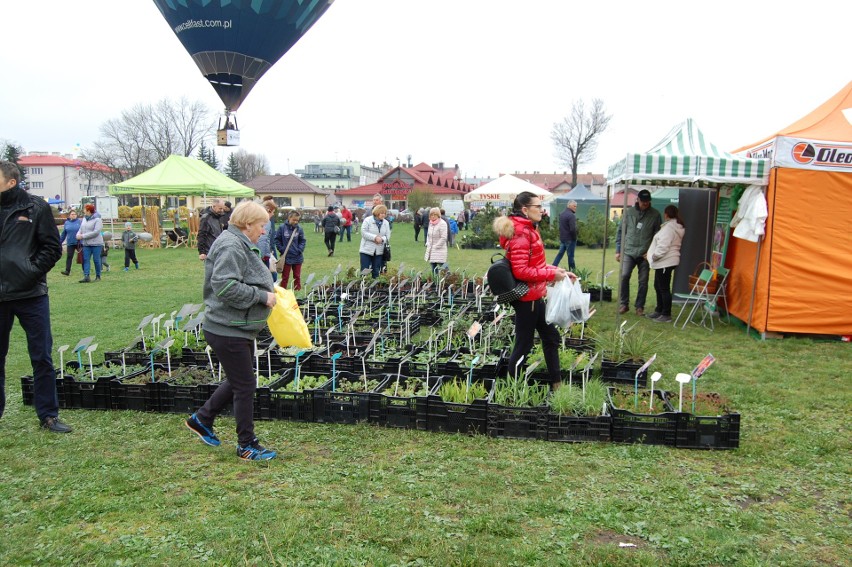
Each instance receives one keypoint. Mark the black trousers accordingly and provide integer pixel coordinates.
(529, 318)
(130, 256)
(330, 239)
(69, 256)
(663, 288)
(34, 316)
(236, 356)
(416, 232)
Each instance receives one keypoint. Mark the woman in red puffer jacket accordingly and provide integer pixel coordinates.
(525, 251)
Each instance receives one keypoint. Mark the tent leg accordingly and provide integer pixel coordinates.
(753, 286)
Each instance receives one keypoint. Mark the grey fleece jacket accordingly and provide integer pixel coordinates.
(235, 285)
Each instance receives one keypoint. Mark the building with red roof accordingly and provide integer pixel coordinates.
(396, 184)
(559, 183)
(62, 177)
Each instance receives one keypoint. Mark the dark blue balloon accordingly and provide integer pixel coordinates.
(234, 42)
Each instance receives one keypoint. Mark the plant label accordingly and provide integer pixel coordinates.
(647, 365)
(702, 367)
(474, 329)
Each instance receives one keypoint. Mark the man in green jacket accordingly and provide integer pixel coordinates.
(639, 224)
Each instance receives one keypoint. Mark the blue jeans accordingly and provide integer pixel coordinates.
(627, 265)
(34, 315)
(566, 246)
(93, 253)
(348, 231)
(372, 262)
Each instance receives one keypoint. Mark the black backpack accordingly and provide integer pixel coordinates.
(502, 282)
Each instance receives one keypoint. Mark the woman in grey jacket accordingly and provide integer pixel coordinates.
(93, 241)
(238, 295)
(375, 234)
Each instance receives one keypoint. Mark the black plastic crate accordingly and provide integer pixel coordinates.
(573, 429)
(623, 373)
(343, 407)
(88, 394)
(708, 432)
(648, 429)
(191, 357)
(507, 422)
(28, 391)
(138, 397)
(405, 412)
(583, 344)
(85, 394)
(458, 418)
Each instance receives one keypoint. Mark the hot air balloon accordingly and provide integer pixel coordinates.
(234, 42)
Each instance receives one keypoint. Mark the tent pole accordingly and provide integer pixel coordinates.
(754, 285)
(605, 241)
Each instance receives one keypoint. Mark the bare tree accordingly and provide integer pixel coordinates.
(576, 136)
(251, 165)
(147, 134)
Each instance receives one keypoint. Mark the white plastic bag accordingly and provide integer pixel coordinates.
(567, 304)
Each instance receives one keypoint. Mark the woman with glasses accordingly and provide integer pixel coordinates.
(525, 252)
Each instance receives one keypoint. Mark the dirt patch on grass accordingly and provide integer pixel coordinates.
(749, 501)
(612, 539)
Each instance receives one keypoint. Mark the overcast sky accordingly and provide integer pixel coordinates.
(474, 82)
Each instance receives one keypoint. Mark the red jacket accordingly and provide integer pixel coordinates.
(525, 251)
(347, 217)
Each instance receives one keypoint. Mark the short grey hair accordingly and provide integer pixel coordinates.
(571, 203)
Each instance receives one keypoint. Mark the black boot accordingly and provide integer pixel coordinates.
(85, 280)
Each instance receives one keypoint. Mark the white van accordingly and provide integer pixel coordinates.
(452, 207)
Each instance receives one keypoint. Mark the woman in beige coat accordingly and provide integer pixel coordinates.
(436, 241)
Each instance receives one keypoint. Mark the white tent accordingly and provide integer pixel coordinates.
(503, 190)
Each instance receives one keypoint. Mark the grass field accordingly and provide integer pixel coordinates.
(128, 488)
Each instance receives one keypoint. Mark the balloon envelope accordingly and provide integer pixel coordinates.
(234, 42)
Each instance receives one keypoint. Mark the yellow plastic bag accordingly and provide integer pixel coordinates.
(286, 322)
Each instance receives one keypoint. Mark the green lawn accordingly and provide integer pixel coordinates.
(128, 488)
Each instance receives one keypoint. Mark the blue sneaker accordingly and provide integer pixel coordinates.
(126, 269)
(205, 433)
(254, 451)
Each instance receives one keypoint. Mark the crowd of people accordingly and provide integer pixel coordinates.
(245, 253)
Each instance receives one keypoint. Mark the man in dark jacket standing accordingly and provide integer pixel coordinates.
(211, 225)
(29, 248)
(567, 234)
(639, 224)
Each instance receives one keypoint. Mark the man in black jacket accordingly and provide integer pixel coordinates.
(29, 248)
(211, 225)
(567, 234)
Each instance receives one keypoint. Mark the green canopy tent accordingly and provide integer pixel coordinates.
(686, 159)
(181, 176)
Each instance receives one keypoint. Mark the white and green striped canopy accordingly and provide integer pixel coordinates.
(685, 155)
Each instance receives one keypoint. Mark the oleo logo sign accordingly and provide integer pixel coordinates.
(821, 154)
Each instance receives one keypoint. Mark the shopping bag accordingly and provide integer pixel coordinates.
(80, 256)
(286, 322)
(386, 255)
(567, 304)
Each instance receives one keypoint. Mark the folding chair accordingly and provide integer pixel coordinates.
(177, 237)
(696, 297)
(711, 305)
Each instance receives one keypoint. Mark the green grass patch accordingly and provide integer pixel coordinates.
(127, 488)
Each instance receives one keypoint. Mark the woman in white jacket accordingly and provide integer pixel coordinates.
(436, 240)
(375, 234)
(664, 256)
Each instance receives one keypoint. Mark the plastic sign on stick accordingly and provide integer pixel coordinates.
(682, 378)
(702, 367)
(641, 369)
(655, 377)
(474, 329)
(91, 348)
(61, 351)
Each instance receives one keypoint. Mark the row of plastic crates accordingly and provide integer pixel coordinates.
(429, 412)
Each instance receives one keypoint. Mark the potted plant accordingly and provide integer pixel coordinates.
(576, 413)
(622, 354)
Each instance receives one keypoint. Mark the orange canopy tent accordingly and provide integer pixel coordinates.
(798, 277)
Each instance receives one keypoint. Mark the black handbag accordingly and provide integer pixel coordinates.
(387, 253)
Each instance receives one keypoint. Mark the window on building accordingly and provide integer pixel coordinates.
(36, 184)
(35, 171)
